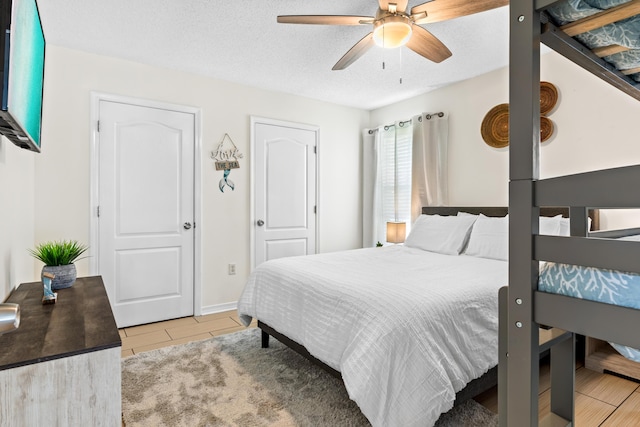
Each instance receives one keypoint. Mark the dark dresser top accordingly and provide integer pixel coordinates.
(81, 321)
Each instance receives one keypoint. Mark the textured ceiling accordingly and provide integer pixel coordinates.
(240, 41)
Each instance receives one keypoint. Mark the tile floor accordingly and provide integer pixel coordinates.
(601, 399)
(178, 331)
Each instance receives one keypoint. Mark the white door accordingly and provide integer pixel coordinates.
(146, 211)
(284, 182)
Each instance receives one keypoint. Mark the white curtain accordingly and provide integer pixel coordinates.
(370, 191)
(429, 162)
(386, 179)
(404, 168)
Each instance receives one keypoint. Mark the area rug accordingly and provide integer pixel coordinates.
(231, 381)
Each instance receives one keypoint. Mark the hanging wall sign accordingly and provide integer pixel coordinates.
(226, 157)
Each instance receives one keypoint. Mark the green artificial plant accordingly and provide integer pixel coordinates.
(58, 252)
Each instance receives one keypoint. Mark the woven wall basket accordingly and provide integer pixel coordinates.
(546, 128)
(548, 97)
(495, 127)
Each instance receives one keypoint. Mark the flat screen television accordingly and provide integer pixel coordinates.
(22, 48)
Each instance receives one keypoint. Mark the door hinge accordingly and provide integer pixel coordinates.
(98, 125)
(315, 209)
(315, 149)
(98, 211)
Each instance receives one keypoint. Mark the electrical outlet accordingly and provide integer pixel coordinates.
(232, 269)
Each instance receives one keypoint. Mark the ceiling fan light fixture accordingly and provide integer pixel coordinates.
(392, 32)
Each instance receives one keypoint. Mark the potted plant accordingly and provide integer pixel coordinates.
(58, 258)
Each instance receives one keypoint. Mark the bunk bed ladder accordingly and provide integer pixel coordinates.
(522, 307)
(519, 333)
(561, 346)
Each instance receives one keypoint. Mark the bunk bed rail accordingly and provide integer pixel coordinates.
(568, 313)
(566, 46)
(607, 188)
(523, 307)
(587, 251)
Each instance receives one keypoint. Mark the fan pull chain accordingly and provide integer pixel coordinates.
(383, 47)
(400, 65)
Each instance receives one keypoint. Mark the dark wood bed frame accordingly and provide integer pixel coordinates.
(476, 386)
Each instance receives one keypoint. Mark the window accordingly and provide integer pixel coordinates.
(391, 156)
(395, 173)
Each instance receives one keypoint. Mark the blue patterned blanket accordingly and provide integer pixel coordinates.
(624, 33)
(595, 284)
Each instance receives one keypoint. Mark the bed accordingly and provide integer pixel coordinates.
(524, 307)
(411, 329)
(602, 36)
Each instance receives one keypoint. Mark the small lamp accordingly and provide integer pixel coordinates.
(9, 317)
(396, 231)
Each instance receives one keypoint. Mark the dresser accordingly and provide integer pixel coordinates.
(62, 365)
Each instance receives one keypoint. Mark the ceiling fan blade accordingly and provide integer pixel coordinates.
(324, 19)
(401, 5)
(441, 10)
(426, 44)
(355, 52)
(420, 18)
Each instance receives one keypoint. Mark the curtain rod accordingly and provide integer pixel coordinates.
(427, 116)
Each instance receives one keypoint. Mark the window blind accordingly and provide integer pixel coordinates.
(396, 173)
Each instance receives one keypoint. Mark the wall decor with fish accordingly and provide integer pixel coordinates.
(226, 157)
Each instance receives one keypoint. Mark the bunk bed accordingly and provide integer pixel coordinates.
(523, 307)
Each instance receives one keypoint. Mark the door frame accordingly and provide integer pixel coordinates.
(252, 216)
(94, 164)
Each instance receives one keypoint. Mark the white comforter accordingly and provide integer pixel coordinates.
(406, 328)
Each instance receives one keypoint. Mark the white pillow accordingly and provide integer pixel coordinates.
(442, 234)
(550, 226)
(565, 227)
(553, 226)
(490, 235)
(489, 238)
(467, 214)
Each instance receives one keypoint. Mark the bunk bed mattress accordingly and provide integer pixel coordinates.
(624, 33)
(406, 328)
(595, 284)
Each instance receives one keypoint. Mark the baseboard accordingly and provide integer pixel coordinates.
(218, 308)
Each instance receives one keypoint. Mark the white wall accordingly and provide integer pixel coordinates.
(62, 170)
(478, 173)
(16, 216)
(596, 127)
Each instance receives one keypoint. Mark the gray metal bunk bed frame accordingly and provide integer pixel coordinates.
(522, 308)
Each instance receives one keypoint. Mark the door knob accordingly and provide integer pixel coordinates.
(187, 225)
(260, 223)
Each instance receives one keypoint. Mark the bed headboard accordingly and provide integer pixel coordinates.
(594, 214)
(453, 210)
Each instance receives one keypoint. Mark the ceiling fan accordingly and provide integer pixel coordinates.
(394, 27)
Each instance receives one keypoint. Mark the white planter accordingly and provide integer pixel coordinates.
(65, 275)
